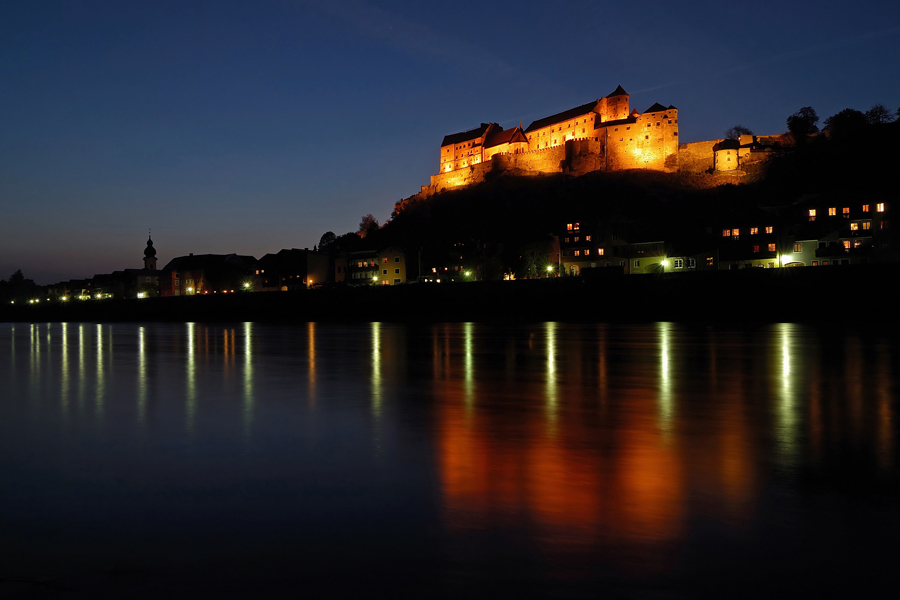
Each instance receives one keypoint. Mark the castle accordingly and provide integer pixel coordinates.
(602, 135)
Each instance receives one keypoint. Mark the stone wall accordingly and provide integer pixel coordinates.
(649, 143)
(696, 157)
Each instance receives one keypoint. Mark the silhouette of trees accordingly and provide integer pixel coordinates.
(803, 122)
(367, 225)
(878, 115)
(326, 241)
(847, 122)
(735, 133)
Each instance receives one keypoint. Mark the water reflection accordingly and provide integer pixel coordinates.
(578, 438)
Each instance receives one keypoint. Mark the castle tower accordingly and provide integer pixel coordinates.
(150, 255)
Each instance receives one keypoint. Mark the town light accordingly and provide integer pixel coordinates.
(468, 273)
(142, 295)
(665, 263)
(64, 298)
(549, 268)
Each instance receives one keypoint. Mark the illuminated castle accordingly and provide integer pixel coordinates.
(598, 136)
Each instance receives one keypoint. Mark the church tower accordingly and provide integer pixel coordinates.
(150, 255)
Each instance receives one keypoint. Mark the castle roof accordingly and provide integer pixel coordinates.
(465, 136)
(625, 121)
(727, 145)
(564, 116)
(618, 92)
(657, 107)
(508, 136)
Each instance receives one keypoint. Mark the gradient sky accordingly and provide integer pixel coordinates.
(253, 126)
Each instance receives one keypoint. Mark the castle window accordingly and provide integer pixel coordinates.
(675, 134)
(628, 128)
(657, 123)
(670, 121)
(647, 137)
(616, 129)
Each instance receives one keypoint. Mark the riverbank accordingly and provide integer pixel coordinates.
(862, 292)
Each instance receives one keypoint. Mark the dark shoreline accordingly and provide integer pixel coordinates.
(823, 294)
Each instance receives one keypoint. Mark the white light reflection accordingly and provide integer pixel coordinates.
(664, 400)
(64, 390)
(551, 391)
(101, 383)
(786, 410)
(82, 384)
(376, 371)
(248, 379)
(142, 375)
(35, 359)
(190, 378)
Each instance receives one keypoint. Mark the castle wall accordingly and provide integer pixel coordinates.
(454, 179)
(651, 142)
(533, 162)
(586, 156)
(696, 157)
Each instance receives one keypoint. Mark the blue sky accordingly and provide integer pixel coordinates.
(254, 126)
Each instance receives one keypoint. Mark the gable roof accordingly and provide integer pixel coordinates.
(507, 136)
(657, 107)
(465, 136)
(564, 116)
(618, 92)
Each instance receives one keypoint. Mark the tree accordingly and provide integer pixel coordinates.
(735, 133)
(878, 115)
(326, 241)
(803, 122)
(367, 225)
(847, 122)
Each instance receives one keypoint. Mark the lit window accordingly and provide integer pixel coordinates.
(846, 212)
(854, 226)
(879, 207)
(815, 263)
(566, 240)
(857, 243)
(709, 261)
(867, 225)
(756, 248)
(812, 214)
(587, 238)
(847, 244)
(832, 212)
(771, 247)
(577, 226)
(600, 251)
(384, 261)
(769, 230)
(569, 227)
(587, 251)
(726, 232)
(865, 208)
(577, 238)
(798, 247)
(577, 253)
(754, 230)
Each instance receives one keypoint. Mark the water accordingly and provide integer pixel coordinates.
(634, 461)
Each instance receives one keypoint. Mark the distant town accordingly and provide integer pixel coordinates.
(596, 189)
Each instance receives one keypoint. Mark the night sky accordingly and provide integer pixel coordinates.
(253, 126)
